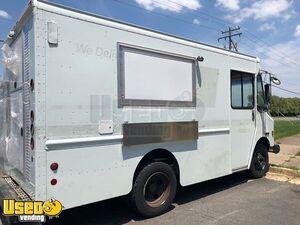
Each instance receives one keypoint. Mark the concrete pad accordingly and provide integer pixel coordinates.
(278, 159)
(285, 171)
(277, 177)
(283, 178)
(295, 181)
(293, 162)
(287, 149)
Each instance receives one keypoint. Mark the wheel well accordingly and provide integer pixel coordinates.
(264, 141)
(158, 155)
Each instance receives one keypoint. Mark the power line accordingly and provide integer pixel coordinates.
(226, 23)
(211, 28)
(283, 89)
(230, 33)
(270, 57)
(291, 84)
(221, 22)
(167, 16)
(280, 54)
(264, 42)
(178, 4)
(286, 90)
(251, 51)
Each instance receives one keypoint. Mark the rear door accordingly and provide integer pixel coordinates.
(242, 118)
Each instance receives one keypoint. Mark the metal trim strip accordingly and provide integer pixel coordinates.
(113, 139)
(215, 130)
(67, 143)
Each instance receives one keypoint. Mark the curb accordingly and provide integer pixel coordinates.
(285, 171)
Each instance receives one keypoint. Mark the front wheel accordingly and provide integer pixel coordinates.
(260, 161)
(154, 189)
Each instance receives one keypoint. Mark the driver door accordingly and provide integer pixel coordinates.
(242, 118)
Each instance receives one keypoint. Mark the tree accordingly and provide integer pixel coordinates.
(285, 106)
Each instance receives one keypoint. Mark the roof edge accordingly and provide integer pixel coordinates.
(36, 3)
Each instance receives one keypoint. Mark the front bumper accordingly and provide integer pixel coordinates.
(275, 149)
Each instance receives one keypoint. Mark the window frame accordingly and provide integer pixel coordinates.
(242, 91)
(124, 102)
(263, 90)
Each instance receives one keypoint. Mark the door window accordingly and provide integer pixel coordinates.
(242, 90)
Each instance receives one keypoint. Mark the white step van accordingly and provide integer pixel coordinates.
(93, 108)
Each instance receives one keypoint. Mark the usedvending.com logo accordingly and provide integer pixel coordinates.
(32, 211)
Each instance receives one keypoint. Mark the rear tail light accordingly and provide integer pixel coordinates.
(53, 182)
(54, 166)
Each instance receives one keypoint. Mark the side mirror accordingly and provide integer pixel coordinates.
(268, 93)
(275, 81)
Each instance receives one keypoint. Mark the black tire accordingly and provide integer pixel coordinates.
(260, 161)
(154, 189)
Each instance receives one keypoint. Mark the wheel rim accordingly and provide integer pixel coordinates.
(260, 162)
(157, 189)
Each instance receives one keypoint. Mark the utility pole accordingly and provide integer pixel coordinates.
(230, 33)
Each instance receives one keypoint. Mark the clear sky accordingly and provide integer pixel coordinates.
(271, 28)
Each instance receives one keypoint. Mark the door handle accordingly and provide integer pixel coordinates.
(253, 114)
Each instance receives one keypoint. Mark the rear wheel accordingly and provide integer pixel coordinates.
(154, 189)
(260, 161)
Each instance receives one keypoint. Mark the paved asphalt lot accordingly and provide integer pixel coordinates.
(231, 200)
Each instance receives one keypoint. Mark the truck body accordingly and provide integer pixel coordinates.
(96, 97)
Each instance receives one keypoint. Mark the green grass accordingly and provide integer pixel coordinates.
(298, 154)
(285, 128)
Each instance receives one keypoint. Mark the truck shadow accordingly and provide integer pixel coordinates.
(117, 211)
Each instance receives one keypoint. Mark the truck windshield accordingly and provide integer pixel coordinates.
(260, 93)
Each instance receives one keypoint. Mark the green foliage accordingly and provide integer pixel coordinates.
(285, 106)
(285, 128)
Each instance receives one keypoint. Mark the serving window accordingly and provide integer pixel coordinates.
(154, 78)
